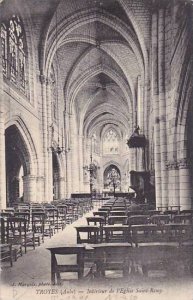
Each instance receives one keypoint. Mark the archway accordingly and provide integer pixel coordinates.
(112, 179)
(17, 166)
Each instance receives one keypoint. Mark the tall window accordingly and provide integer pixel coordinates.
(111, 142)
(14, 52)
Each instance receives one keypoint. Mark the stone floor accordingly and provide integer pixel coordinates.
(29, 278)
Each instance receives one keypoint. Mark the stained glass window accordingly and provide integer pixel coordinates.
(14, 52)
(111, 142)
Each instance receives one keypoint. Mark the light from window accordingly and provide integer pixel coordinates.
(111, 142)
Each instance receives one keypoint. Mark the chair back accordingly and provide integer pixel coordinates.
(137, 220)
(88, 234)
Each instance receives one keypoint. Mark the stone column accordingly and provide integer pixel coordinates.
(162, 104)
(74, 154)
(29, 189)
(63, 175)
(49, 140)
(2, 144)
(186, 186)
(156, 108)
(2, 160)
(44, 134)
(87, 148)
(61, 182)
(40, 189)
(139, 104)
(81, 163)
(68, 156)
(173, 175)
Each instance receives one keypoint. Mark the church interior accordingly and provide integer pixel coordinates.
(96, 140)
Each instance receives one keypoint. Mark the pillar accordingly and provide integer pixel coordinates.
(29, 189)
(44, 135)
(155, 101)
(68, 155)
(2, 160)
(162, 104)
(49, 141)
(74, 154)
(186, 187)
(80, 156)
(173, 175)
(2, 145)
(61, 182)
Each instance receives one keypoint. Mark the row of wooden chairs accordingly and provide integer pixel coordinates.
(28, 224)
(106, 224)
(123, 246)
(113, 217)
(135, 234)
(121, 257)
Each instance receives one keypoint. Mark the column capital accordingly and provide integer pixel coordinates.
(171, 165)
(29, 177)
(183, 163)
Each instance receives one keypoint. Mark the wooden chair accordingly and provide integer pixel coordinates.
(24, 215)
(52, 218)
(6, 249)
(117, 233)
(57, 269)
(10, 210)
(6, 215)
(161, 257)
(111, 257)
(38, 223)
(137, 220)
(179, 233)
(71, 214)
(97, 221)
(62, 216)
(87, 234)
(120, 208)
(134, 213)
(187, 212)
(105, 209)
(117, 220)
(18, 235)
(144, 233)
(159, 219)
(117, 213)
(171, 213)
(183, 219)
(101, 214)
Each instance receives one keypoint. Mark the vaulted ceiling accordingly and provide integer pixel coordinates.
(99, 49)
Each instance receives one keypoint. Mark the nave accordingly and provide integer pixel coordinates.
(130, 246)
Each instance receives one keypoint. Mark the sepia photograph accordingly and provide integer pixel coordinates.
(96, 149)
